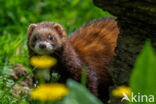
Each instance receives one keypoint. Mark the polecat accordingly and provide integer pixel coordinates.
(92, 46)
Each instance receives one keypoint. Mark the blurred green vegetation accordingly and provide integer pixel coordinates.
(142, 79)
(18, 14)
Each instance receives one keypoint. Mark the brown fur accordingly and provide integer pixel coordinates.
(91, 46)
(95, 43)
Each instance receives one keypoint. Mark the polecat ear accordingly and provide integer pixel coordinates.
(31, 28)
(59, 29)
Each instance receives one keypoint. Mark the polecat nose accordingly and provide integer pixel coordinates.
(42, 46)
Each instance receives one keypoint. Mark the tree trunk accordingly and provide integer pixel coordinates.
(137, 22)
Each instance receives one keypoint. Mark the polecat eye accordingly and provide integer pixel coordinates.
(51, 38)
(35, 38)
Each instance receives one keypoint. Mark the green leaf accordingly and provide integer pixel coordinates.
(143, 80)
(79, 94)
(83, 77)
(75, 2)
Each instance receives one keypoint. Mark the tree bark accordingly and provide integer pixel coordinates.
(137, 22)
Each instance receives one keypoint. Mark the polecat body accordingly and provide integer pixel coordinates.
(91, 46)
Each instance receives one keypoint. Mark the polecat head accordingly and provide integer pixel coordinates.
(45, 37)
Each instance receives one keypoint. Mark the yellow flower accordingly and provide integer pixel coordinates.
(49, 92)
(43, 62)
(120, 90)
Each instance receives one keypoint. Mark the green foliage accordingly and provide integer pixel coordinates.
(17, 15)
(143, 76)
(13, 50)
(79, 94)
(83, 77)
